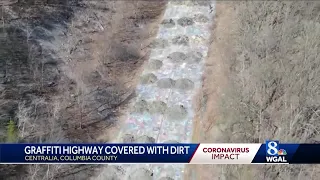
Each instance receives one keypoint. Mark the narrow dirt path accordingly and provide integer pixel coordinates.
(214, 86)
(163, 110)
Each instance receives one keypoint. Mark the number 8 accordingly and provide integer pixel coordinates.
(272, 147)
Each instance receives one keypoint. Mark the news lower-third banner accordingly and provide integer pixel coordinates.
(271, 152)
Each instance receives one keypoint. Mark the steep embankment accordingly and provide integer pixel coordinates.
(261, 82)
(66, 70)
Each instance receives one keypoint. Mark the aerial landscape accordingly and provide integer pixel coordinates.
(159, 71)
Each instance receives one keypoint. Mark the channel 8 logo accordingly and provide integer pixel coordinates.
(272, 148)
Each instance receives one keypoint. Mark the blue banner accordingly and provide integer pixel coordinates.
(275, 152)
(96, 153)
(270, 152)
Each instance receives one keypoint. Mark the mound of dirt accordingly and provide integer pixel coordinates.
(184, 84)
(200, 18)
(159, 43)
(141, 106)
(177, 112)
(128, 138)
(155, 64)
(185, 21)
(141, 174)
(181, 40)
(158, 107)
(201, 3)
(168, 23)
(193, 57)
(166, 178)
(177, 57)
(145, 139)
(165, 83)
(172, 142)
(148, 78)
(192, 2)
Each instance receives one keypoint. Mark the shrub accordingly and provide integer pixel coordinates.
(12, 135)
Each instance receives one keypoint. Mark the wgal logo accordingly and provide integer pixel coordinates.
(273, 153)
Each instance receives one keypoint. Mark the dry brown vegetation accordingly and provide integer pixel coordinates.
(67, 70)
(262, 82)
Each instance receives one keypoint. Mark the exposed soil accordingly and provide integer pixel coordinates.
(214, 80)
